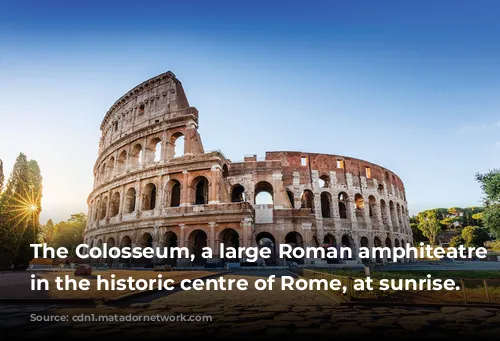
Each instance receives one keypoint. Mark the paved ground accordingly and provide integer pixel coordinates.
(249, 313)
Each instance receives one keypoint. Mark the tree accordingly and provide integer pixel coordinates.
(417, 233)
(47, 231)
(19, 214)
(69, 234)
(457, 241)
(2, 178)
(428, 223)
(474, 236)
(490, 185)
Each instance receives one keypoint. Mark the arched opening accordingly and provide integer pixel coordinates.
(378, 243)
(392, 210)
(230, 238)
(115, 204)
(326, 200)
(238, 193)
(380, 189)
(110, 243)
(130, 200)
(104, 207)
(383, 210)
(125, 242)
(170, 240)
(364, 242)
(111, 166)
(149, 197)
(146, 241)
(372, 206)
(136, 156)
(294, 239)
(347, 241)
(225, 171)
(197, 241)
(307, 200)
(155, 150)
(141, 109)
(291, 198)
(266, 240)
(99, 245)
(388, 244)
(360, 205)
(396, 244)
(343, 205)
(264, 193)
(102, 177)
(177, 141)
(324, 181)
(122, 162)
(330, 241)
(174, 189)
(97, 206)
(199, 189)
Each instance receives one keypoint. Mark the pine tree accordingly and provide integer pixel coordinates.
(19, 213)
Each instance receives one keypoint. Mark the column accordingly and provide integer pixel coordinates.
(185, 189)
(211, 242)
(214, 185)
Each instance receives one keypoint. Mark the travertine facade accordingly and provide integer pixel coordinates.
(147, 192)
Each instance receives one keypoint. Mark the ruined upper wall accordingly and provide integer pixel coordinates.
(159, 98)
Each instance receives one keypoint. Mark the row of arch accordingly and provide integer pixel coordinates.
(138, 155)
(198, 194)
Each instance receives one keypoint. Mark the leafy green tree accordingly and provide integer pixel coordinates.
(474, 236)
(428, 223)
(19, 214)
(490, 184)
(69, 233)
(47, 231)
(417, 233)
(457, 241)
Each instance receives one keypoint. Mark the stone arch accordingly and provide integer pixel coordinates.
(378, 243)
(111, 166)
(364, 242)
(380, 189)
(392, 210)
(359, 202)
(197, 240)
(122, 162)
(324, 181)
(126, 241)
(146, 240)
(372, 207)
(178, 141)
(230, 238)
(110, 243)
(264, 193)
(199, 190)
(348, 241)
(238, 193)
(266, 239)
(225, 171)
(343, 200)
(330, 241)
(173, 193)
(383, 210)
(154, 149)
(307, 200)
(294, 239)
(326, 205)
(115, 204)
(104, 207)
(130, 199)
(169, 240)
(136, 155)
(149, 197)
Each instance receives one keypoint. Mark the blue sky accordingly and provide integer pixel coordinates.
(411, 86)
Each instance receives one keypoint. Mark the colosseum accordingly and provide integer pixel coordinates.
(155, 185)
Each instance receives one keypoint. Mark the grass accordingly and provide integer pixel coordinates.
(473, 283)
(177, 276)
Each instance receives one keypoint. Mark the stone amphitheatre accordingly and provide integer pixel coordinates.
(155, 185)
